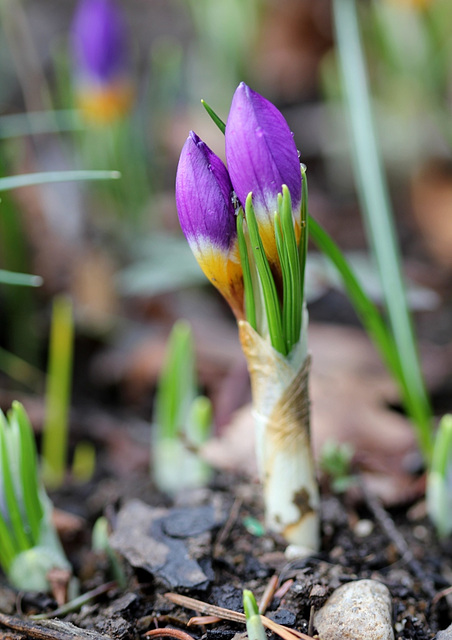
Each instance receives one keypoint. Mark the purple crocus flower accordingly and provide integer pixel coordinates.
(262, 156)
(100, 57)
(207, 217)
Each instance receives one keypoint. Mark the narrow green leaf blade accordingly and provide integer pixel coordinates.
(376, 207)
(28, 470)
(29, 179)
(216, 118)
(271, 301)
(12, 500)
(250, 306)
(20, 279)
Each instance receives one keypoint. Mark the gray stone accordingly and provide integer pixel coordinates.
(446, 634)
(149, 538)
(358, 610)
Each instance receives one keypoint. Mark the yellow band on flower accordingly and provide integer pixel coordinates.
(105, 104)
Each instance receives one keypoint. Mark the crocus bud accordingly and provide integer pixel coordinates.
(262, 156)
(204, 201)
(103, 87)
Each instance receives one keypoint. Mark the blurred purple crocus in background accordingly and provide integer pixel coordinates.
(262, 156)
(99, 50)
(204, 200)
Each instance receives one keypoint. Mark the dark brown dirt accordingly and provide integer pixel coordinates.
(356, 543)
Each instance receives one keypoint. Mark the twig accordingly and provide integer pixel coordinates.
(441, 594)
(206, 608)
(172, 633)
(283, 589)
(268, 594)
(76, 603)
(234, 616)
(233, 515)
(49, 629)
(202, 620)
(387, 524)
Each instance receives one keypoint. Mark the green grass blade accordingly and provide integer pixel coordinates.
(28, 470)
(269, 292)
(58, 392)
(177, 385)
(216, 118)
(199, 423)
(20, 279)
(366, 310)
(303, 241)
(21, 370)
(377, 212)
(287, 282)
(254, 627)
(29, 179)
(39, 122)
(8, 549)
(293, 260)
(12, 501)
(250, 306)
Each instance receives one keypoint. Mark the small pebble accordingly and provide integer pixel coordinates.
(363, 528)
(420, 532)
(359, 610)
(446, 634)
(297, 552)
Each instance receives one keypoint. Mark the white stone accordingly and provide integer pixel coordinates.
(358, 610)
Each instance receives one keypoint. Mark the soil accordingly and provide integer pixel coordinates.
(220, 528)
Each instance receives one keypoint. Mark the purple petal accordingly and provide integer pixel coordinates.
(261, 152)
(99, 40)
(204, 196)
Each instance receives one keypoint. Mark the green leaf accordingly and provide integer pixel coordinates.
(19, 279)
(199, 422)
(293, 259)
(13, 502)
(254, 627)
(303, 241)
(28, 469)
(287, 282)
(177, 387)
(217, 120)
(29, 179)
(58, 392)
(38, 122)
(376, 208)
(367, 313)
(8, 548)
(250, 306)
(364, 307)
(271, 301)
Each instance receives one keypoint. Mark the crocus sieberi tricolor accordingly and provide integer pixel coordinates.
(103, 86)
(206, 212)
(246, 227)
(262, 156)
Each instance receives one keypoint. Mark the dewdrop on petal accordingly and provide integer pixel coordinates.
(103, 86)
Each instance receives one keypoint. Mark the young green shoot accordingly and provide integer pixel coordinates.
(439, 479)
(335, 462)
(58, 394)
(100, 542)
(254, 626)
(29, 547)
(183, 419)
